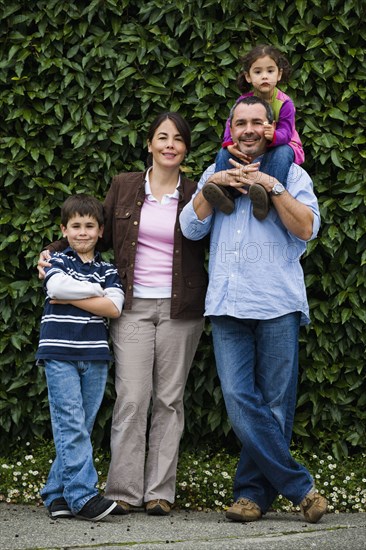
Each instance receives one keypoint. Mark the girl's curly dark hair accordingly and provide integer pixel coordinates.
(254, 54)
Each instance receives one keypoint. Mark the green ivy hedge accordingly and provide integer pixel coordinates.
(79, 84)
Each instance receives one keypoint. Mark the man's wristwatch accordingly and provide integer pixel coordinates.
(278, 189)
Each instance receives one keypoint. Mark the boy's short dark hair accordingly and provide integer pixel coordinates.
(82, 205)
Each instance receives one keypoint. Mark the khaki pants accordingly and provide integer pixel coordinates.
(153, 356)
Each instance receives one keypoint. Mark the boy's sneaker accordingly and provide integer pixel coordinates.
(96, 508)
(218, 197)
(313, 507)
(244, 510)
(59, 509)
(260, 201)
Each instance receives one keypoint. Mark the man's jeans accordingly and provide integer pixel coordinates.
(75, 392)
(257, 363)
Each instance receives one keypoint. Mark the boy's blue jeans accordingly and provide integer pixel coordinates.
(257, 363)
(275, 162)
(75, 392)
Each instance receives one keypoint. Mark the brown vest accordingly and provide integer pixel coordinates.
(122, 210)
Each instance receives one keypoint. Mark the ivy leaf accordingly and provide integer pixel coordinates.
(336, 159)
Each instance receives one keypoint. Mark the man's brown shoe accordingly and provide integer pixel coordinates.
(244, 510)
(218, 197)
(122, 508)
(313, 507)
(158, 507)
(260, 201)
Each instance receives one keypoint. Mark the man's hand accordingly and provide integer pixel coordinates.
(242, 175)
(234, 176)
(43, 262)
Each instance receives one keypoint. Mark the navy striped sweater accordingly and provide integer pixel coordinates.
(68, 332)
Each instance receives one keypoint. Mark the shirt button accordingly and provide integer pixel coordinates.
(177, 251)
(135, 223)
(133, 243)
(139, 203)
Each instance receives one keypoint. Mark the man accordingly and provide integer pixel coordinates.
(257, 301)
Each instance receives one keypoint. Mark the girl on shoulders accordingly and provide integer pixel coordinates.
(262, 69)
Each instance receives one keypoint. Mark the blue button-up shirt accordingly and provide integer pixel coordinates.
(254, 266)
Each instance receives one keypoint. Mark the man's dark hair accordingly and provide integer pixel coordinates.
(82, 205)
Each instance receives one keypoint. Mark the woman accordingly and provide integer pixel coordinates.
(156, 337)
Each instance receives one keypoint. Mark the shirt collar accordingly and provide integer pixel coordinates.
(73, 254)
(168, 196)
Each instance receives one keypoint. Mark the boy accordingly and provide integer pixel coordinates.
(81, 290)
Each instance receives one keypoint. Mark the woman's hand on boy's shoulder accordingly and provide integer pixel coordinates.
(43, 261)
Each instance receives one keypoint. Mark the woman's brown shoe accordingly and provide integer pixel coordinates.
(158, 507)
(122, 508)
